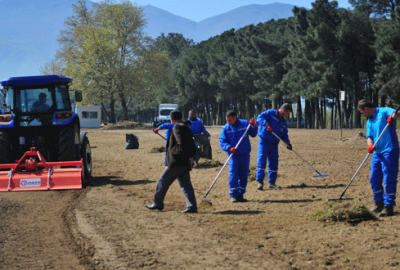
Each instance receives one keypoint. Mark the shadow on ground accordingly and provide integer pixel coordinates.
(234, 212)
(116, 181)
(290, 201)
(322, 187)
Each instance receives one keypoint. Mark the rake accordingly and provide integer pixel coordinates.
(316, 176)
(362, 163)
(205, 199)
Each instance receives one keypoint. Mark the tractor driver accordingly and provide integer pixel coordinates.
(40, 105)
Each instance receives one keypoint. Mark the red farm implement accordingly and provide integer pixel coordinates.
(33, 172)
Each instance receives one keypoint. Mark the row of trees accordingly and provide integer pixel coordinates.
(310, 56)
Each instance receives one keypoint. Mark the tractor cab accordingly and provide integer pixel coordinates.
(35, 100)
(36, 113)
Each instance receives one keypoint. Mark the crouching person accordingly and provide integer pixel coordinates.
(239, 163)
(180, 152)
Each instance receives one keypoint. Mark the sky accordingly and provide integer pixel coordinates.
(197, 10)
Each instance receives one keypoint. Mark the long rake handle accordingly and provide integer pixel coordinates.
(367, 156)
(365, 159)
(226, 162)
(359, 168)
(162, 136)
(297, 154)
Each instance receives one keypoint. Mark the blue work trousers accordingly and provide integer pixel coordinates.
(238, 173)
(385, 167)
(267, 150)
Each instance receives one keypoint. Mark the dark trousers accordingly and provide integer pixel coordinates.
(165, 181)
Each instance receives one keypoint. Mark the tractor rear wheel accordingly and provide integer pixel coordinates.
(86, 155)
(5, 148)
(67, 141)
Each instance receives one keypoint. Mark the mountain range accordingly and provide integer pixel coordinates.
(29, 28)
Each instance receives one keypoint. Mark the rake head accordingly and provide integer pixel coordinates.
(206, 201)
(320, 176)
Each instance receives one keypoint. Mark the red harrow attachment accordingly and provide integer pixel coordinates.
(33, 172)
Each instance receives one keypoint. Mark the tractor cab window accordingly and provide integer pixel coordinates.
(62, 98)
(9, 98)
(34, 100)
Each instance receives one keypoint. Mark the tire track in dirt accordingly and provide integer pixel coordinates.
(38, 230)
(99, 247)
(81, 246)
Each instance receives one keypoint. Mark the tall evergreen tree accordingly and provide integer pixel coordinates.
(387, 78)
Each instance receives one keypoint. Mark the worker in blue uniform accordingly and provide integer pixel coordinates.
(201, 136)
(385, 156)
(197, 125)
(239, 163)
(271, 121)
(168, 129)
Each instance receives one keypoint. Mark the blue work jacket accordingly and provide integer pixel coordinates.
(197, 126)
(279, 126)
(230, 136)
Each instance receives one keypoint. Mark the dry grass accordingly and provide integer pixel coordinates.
(125, 125)
(160, 149)
(207, 163)
(352, 212)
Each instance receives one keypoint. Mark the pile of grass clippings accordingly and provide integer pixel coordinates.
(123, 125)
(160, 149)
(207, 163)
(333, 211)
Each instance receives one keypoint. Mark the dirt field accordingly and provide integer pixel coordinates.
(106, 225)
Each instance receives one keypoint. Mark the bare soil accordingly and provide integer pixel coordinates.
(106, 226)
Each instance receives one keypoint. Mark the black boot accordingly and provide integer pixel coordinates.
(260, 185)
(377, 208)
(387, 211)
(272, 185)
(241, 199)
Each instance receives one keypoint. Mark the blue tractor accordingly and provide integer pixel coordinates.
(36, 114)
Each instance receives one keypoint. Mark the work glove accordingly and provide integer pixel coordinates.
(390, 119)
(289, 146)
(155, 131)
(269, 128)
(371, 148)
(209, 136)
(253, 122)
(232, 150)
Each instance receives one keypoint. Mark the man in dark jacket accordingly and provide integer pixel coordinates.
(180, 152)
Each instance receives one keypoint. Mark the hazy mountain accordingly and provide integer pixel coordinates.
(161, 21)
(29, 28)
(240, 17)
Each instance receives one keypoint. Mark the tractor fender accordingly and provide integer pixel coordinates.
(82, 136)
